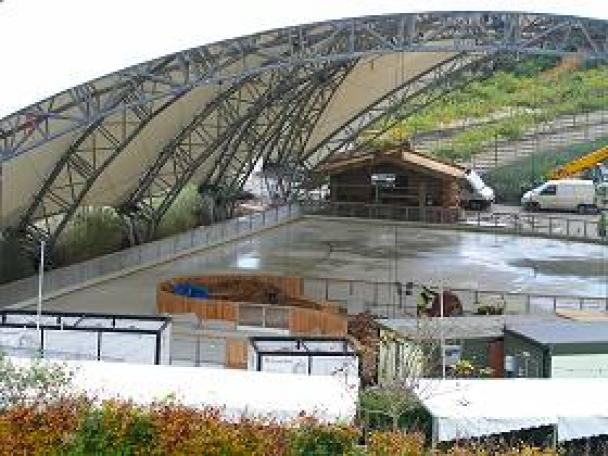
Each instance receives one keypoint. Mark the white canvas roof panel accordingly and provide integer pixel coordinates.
(60, 44)
(237, 392)
(464, 409)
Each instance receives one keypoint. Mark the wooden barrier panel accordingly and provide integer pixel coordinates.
(205, 309)
(289, 309)
(236, 353)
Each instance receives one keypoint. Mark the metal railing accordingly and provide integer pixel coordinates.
(558, 133)
(90, 336)
(554, 226)
(144, 254)
(394, 300)
(429, 214)
(571, 227)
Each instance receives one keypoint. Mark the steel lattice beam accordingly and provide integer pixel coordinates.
(285, 148)
(406, 99)
(295, 120)
(295, 46)
(205, 140)
(79, 167)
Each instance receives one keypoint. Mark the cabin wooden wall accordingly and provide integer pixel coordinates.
(415, 188)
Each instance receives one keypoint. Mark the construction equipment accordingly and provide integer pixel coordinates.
(591, 161)
(562, 191)
(474, 193)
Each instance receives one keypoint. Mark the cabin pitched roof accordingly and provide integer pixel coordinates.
(403, 158)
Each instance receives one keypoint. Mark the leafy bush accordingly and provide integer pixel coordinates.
(114, 428)
(92, 233)
(40, 430)
(312, 438)
(378, 409)
(79, 427)
(395, 443)
(38, 382)
(19, 266)
(184, 214)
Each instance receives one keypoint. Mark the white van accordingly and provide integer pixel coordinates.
(567, 195)
(474, 193)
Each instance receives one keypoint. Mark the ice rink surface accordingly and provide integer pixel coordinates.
(365, 250)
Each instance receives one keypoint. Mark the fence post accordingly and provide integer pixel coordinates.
(568, 227)
(550, 226)
(554, 304)
(585, 229)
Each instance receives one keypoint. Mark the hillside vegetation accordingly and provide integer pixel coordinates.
(507, 104)
(510, 180)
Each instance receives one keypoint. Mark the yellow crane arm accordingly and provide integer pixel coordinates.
(580, 164)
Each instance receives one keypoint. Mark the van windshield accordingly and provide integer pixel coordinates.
(549, 190)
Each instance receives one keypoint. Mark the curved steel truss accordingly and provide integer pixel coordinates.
(227, 136)
(274, 87)
(286, 48)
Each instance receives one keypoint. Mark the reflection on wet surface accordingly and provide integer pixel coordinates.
(372, 251)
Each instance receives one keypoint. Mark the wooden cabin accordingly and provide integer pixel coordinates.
(398, 177)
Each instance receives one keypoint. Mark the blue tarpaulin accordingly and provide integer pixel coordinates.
(191, 290)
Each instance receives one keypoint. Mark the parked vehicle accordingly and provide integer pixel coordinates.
(475, 194)
(566, 194)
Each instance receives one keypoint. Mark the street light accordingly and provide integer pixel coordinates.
(40, 284)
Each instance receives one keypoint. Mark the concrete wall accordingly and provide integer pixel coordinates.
(22, 292)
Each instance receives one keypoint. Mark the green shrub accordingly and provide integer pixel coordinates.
(38, 382)
(183, 215)
(312, 438)
(395, 443)
(528, 85)
(92, 233)
(509, 181)
(114, 428)
(19, 265)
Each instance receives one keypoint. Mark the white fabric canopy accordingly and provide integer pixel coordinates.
(51, 46)
(238, 392)
(464, 409)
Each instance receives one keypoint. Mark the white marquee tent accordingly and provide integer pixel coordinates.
(464, 409)
(278, 396)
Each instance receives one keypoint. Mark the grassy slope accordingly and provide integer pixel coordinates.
(535, 90)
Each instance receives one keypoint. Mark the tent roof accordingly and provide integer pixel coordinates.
(464, 409)
(58, 45)
(561, 332)
(238, 392)
(461, 327)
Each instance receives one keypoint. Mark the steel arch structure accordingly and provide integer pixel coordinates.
(271, 95)
(356, 37)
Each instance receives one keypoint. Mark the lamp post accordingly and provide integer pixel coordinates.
(40, 285)
(441, 333)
